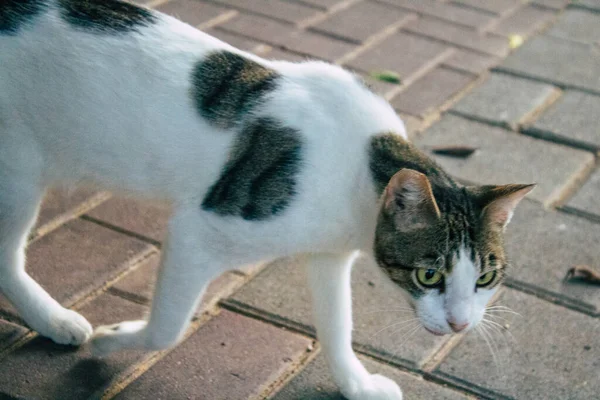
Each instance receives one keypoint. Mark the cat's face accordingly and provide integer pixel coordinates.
(444, 247)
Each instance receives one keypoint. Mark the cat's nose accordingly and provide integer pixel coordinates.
(457, 327)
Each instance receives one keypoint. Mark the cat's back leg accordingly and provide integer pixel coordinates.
(21, 191)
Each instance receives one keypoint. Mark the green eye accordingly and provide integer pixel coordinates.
(429, 277)
(485, 279)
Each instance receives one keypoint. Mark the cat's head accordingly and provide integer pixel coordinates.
(444, 246)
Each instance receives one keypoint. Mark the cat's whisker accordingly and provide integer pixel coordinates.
(485, 336)
(392, 325)
(493, 315)
(407, 335)
(500, 309)
(501, 329)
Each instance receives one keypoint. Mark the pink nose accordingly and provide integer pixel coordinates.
(458, 327)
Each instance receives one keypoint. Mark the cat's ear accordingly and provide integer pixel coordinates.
(408, 197)
(499, 202)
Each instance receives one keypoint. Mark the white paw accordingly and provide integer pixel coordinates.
(68, 327)
(377, 387)
(110, 338)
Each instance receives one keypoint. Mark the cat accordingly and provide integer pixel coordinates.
(258, 159)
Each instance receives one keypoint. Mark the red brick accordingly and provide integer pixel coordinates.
(498, 7)
(192, 12)
(259, 28)
(146, 219)
(464, 37)
(9, 333)
(44, 370)
(234, 40)
(138, 285)
(405, 54)
(230, 357)
(77, 258)
(361, 21)
(471, 62)
(283, 10)
(431, 91)
(525, 21)
(63, 204)
(447, 12)
(317, 45)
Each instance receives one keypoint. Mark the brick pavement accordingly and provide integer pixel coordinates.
(534, 117)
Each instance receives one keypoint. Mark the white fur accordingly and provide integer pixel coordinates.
(459, 304)
(114, 112)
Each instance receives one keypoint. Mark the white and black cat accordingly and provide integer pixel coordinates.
(258, 159)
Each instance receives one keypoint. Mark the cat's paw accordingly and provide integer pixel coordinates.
(110, 338)
(376, 387)
(68, 327)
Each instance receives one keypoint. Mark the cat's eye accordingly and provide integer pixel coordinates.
(486, 279)
(429, 278)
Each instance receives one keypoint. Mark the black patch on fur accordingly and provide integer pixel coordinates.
(15, 13)
(105, 16)
(389, 153)
(259, 180)
(227, 86)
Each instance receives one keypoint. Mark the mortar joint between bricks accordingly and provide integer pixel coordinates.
(220, 19)
(376, 39)
(326, 14)
(289, 373)
(122, 380)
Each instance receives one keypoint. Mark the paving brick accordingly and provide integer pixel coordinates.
(557, 60)
(237, 41)
(283, 10)
(445, 11)
(506, 157)
(405, 54)
(554, 4)
(498, 7)
(315, 383)
(282, 55)
(280, 291)
(579, 25)
(77, 258)
(543, 245)
(505, 100)
(62, 204)
(469, 61)
(138, 285)
(317, 45)
(524, 21)
(460, 36)
(258, 28)
(573, 119)
(587, 198)
(230, 357)
(362, 20)
(192, 12)
(9, 333)
(431, 91)
(44, 370)
(554, 354)
(146, 219)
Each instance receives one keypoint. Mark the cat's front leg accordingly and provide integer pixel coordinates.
(187, 267)
(329, 280)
